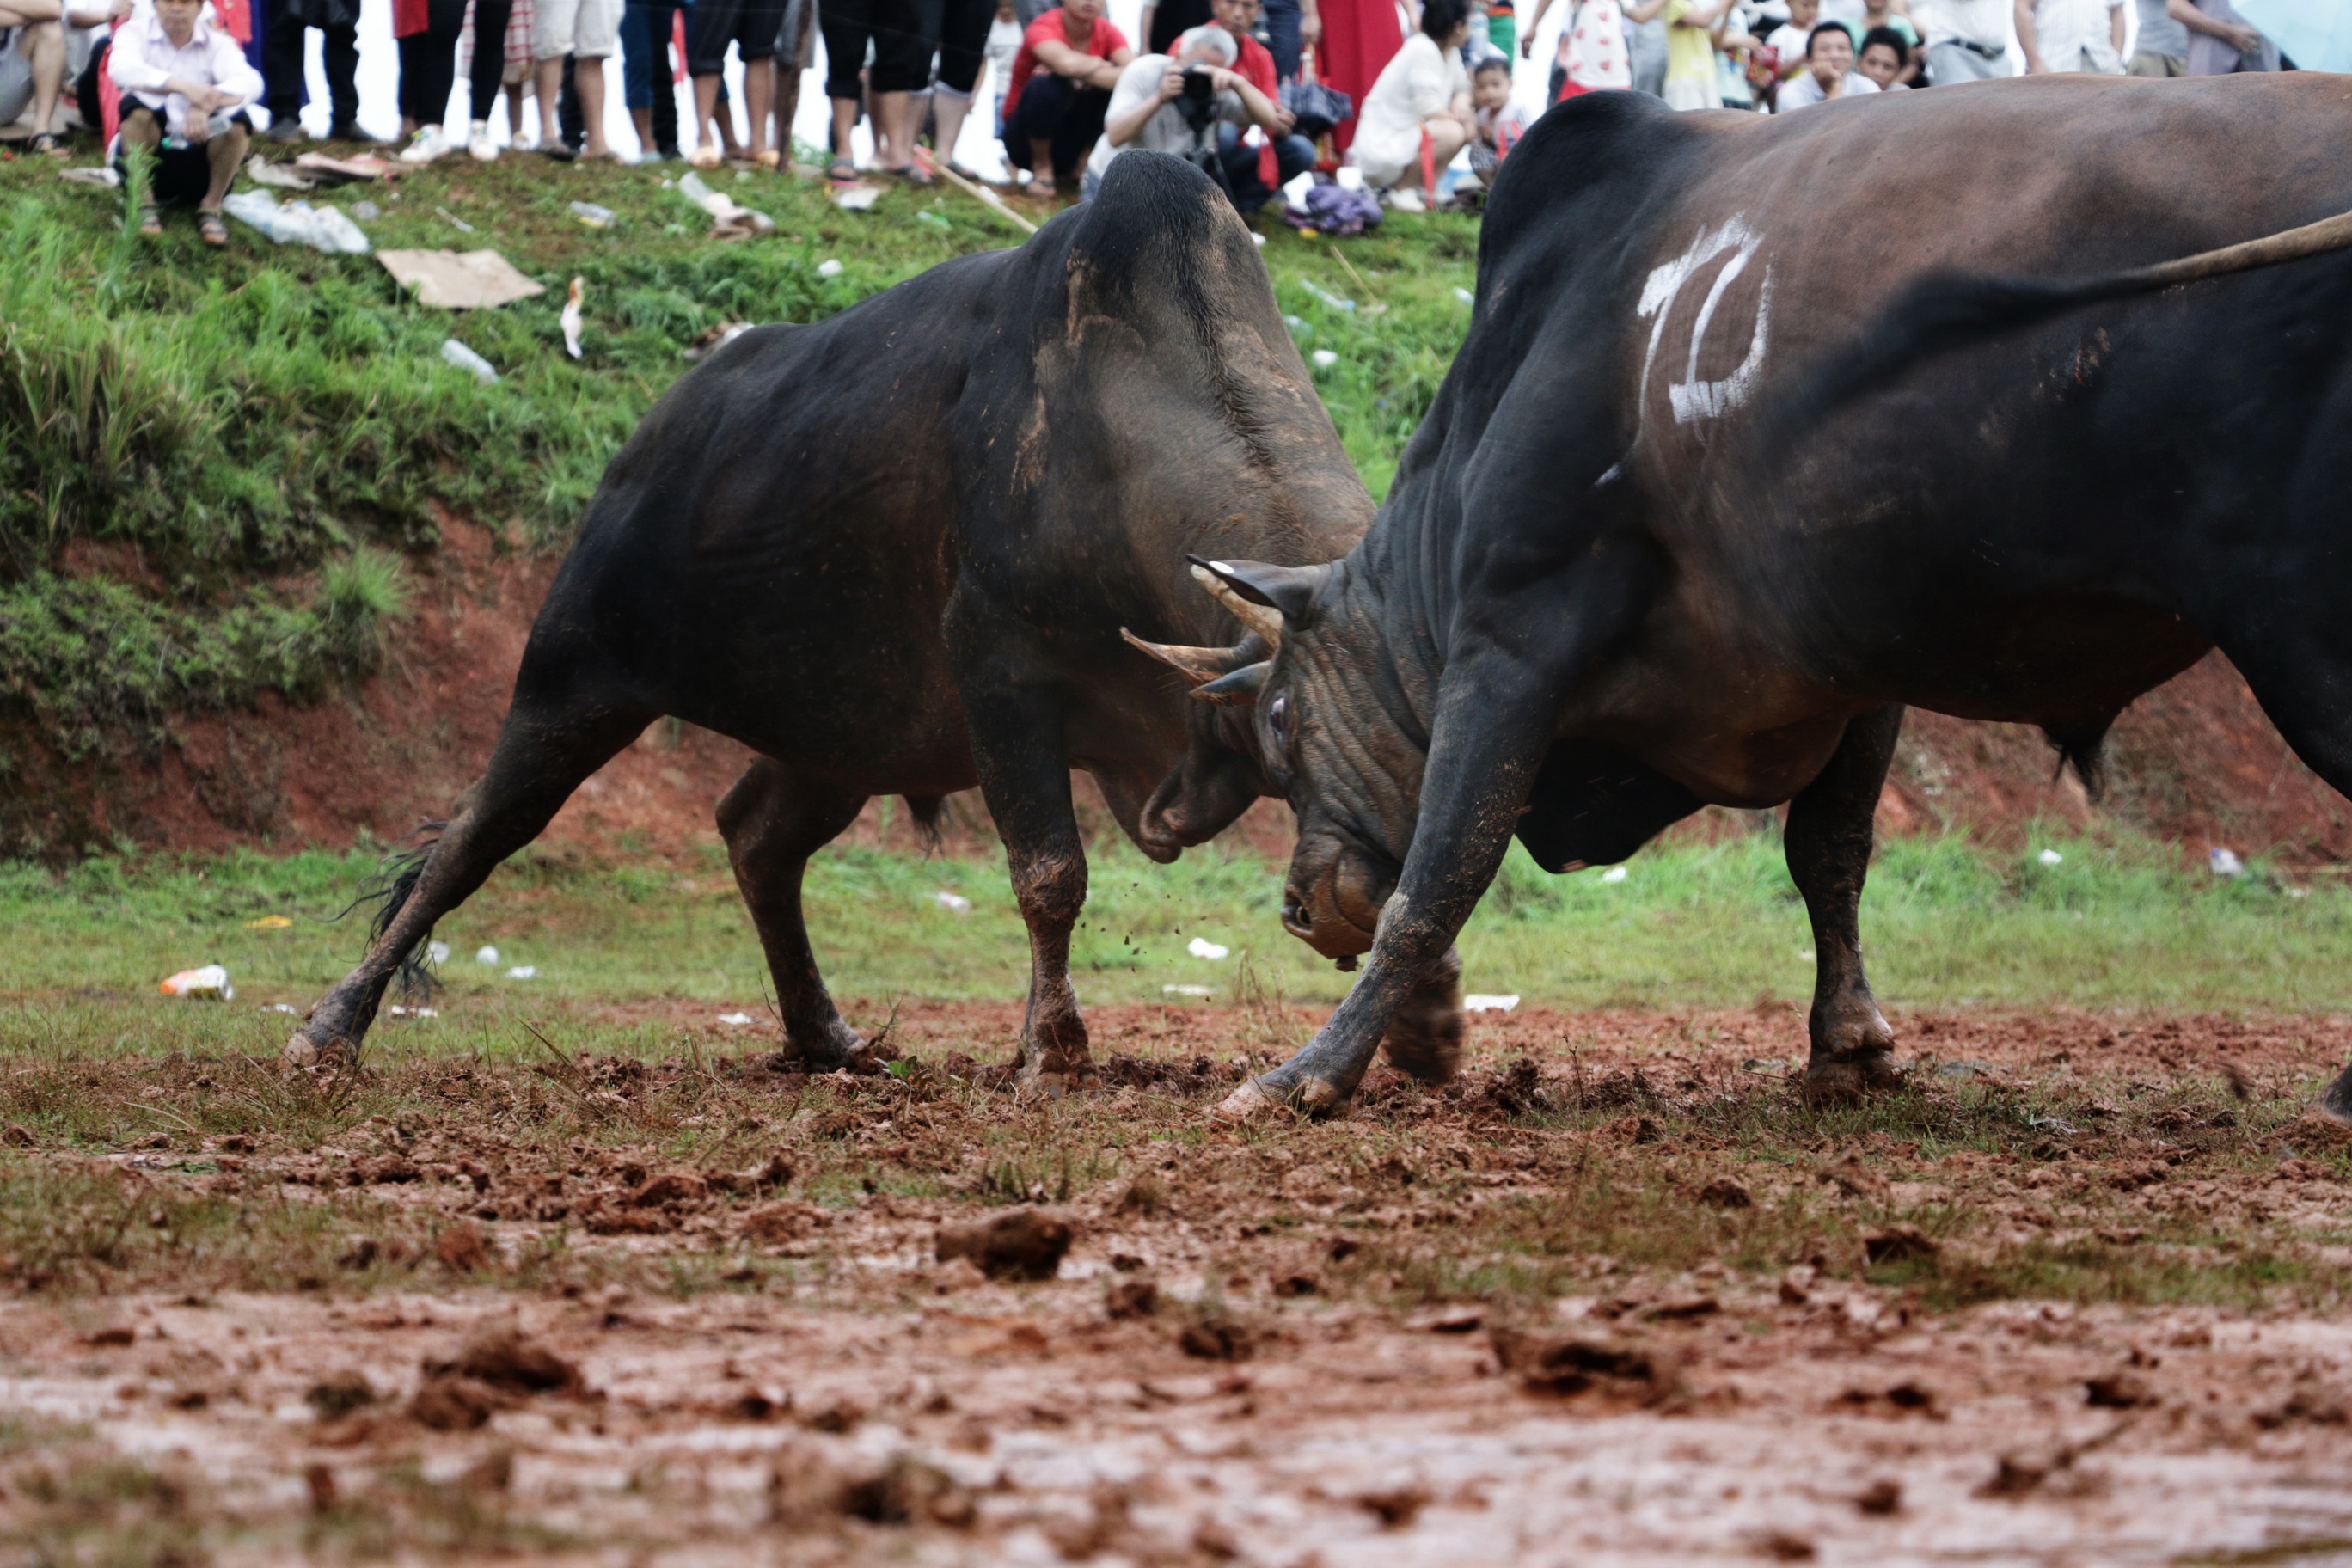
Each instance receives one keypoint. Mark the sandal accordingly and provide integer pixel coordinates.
(151, 219)
(917, 176)
(841, 172)
(46, 141)
(211, 228)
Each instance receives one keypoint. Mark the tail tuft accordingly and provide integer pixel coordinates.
(389, 889)
(929, 811)
(2084, 749)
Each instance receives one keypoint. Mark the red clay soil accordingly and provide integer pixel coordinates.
(2195, 762)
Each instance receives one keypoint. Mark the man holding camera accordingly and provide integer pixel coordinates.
(1174, 103)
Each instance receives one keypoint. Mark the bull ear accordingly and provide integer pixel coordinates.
(1238, 689)
(1288, 589)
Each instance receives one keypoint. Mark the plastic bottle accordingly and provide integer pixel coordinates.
(594, 216)
(456, 353)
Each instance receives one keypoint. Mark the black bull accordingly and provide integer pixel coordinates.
(1667, 537)
(892, 554)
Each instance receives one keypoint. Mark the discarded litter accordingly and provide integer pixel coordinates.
(1961, 1069)
(731, 219)
(1324, 359)
(460, 224)
(268, 922)
(523, 972)
(209, 983)
(330, 229)
(855, 198)
(366, 212)
(934, 220)
(594, 216)
(1615, 874)
(1202, 947)
(2225, 862)
(2050, 857)
(456, 353)
(828, 269)
(360, 168)
(285, 176)
(1186, 991)
(107, 178)
(735, 1020)
(1465, 295)
(711, 340)
(1297, 324)
(399, 1012)
(280, 1007)
(1294, 189)
(487, 956)
(476, 280)
(438, 952)
(570, 318)
(1478, 1001)
(1325, 297)
(948, 901)
(1257, 239)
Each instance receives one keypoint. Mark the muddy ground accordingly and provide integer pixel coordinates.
(1617, 1296)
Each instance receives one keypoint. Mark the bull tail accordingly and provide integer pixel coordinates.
(929, 812)
(390, 889)
(1945, 310)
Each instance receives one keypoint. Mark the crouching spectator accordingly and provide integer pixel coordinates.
(1060, 88)
(1829, 72)
(1256, 172)
(1173, 103)
(1496, 123)
(182, 81)
(1419, 109)
(32, 66)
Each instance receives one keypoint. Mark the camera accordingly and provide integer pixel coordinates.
(1197, 85)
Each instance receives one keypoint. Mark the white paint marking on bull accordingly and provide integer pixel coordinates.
(1692, 398)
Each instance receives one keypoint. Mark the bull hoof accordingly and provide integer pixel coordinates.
(2333, 1106)
(308, 1055)
(1424, 1038)
(1431, 1058)
(1247, 1103)
(1846, 1081)
(1261, 1097)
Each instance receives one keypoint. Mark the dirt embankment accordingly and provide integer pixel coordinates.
(2194, 761)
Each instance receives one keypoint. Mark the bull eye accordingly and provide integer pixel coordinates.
(1277, 719)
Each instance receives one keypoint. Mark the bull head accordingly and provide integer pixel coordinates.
(1259, 597)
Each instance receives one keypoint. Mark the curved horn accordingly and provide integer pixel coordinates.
(1197, 665)
(1238, 689)
(1265, 621)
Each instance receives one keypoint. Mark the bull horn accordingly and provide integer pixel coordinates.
(1198, 665)
(1262, 619)
(1238, 689)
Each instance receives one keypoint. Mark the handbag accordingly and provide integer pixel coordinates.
(1318, 110)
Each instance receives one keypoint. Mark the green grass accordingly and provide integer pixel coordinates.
(2115, 925)
(204, 457)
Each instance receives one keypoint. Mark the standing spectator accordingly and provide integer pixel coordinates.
(902, 64)
(426, 33)
(1829, 72)
(1884, 58)
(751, 25)
(1502, 29)
(1151, 109)
(1164, 21)
(965, 30)
(1292, 27)
(2071, 35)
(495, 46)
(1646, 45)
(1593, 54)
(1788, 41)
(1419, 108)
(1003, 42)
(648, 81)
(1256, 172)
(1359, 39)
(1059, 89)
(182, 78)
(1968, 40)
(2162, 48)
(2221, 43)
(32, 66)
(588, 31)
(1690, 53)
(281, 65)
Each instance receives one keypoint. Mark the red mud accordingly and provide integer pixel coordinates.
(2195, 761)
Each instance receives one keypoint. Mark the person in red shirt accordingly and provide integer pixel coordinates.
(1059, 89)
(1256, 172)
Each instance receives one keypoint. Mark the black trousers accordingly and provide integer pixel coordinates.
(281, 66)
(428, 63)
(484, 77)
(962, 33)
(1056, 109)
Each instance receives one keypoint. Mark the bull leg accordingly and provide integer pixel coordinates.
(1018, 747)
(1424, 1038)
(538, 762)
(772, 822)
(1829, 842)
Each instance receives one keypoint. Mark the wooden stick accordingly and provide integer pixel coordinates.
(986, 197)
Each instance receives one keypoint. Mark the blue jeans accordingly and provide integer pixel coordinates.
(1282, 37)
(1293, 157)
(646, 28)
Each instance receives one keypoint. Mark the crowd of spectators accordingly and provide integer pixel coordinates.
(1381, 93)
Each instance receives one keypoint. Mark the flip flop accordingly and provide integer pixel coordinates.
(917, 176)
(151, 219)
(46, 142)
(211, 228)
(841, 172)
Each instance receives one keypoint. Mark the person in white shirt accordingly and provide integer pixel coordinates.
(1423, 91)
(32, 66)
(182, 82)
(1146, 108)
(2070, 35)
(1829, 72)
(1968, 40)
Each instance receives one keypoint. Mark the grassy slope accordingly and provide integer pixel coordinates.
(234, 424)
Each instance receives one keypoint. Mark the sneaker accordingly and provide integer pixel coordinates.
(1405, 199)
(480, 143)
(283, 131)
(426, 146)
(350, 130)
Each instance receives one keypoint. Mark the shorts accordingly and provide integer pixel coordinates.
(1950, 62)
(589, 29)
(751, 25)
(902, 52)
(2159, 65)
(15, 82)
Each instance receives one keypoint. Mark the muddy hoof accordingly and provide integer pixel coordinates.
(309, 1054)
(1425, 1039)
(1844, 1081)
(1247, 1103)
